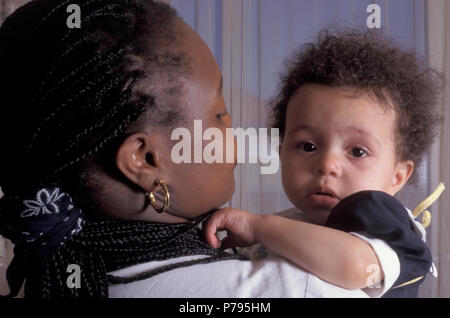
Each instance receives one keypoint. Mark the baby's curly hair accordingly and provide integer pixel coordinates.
(375, 65)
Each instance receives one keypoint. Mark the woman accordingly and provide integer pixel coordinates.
(87, 170)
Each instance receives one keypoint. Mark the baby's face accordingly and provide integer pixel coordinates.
(337, 143)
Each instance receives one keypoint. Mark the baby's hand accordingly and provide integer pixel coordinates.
(240, 225)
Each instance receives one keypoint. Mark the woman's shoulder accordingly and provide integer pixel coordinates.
(271, 277)
(228, 278)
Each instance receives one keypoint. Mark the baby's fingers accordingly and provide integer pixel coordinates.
(211, 227)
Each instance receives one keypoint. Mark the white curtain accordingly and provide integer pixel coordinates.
(439, 55)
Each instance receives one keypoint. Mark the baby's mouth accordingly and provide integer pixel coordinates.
(323, 199)
(324, 193)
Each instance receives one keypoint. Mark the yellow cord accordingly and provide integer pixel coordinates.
(412, 281)
(426, 219)
(421, 208)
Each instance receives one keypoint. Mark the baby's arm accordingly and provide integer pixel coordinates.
(335, 256)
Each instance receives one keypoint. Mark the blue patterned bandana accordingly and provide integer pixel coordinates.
(42, 222)
(37, 226)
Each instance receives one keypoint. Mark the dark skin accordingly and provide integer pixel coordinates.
(145, 155)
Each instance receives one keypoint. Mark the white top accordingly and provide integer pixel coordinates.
(272, 277)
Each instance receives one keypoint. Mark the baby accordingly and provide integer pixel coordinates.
(356, 114)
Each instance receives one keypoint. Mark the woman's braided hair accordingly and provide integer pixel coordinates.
(74, 91)
(69, 95)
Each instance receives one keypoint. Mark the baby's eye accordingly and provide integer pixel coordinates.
(307, 146)
(225, 117)
(358, 152)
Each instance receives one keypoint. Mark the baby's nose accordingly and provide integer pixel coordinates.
(328, 164)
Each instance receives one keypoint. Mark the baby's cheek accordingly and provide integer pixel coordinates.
(292, 186)
(371, 182)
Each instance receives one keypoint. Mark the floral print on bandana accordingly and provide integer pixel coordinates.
(45, 203)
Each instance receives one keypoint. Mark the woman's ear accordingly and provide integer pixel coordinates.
(139, 160)
(402, 173)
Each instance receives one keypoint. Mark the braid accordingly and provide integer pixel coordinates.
(56, 8)
(99, 60)
(94, 104)
(89, 130)
(96, 59)
(69, 35)
(46, 285)
(117, 132)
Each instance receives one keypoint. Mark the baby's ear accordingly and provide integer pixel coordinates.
(402, 173)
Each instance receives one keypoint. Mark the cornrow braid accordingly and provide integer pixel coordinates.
(95, 103)
(52, 11)
(89, 130)
(70, 103)
(98, 59)
(117, 132)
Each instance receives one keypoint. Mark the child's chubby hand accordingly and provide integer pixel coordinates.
(240, 225)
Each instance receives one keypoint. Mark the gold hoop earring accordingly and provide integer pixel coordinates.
(151, 196)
